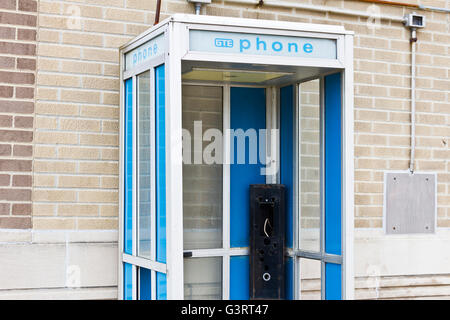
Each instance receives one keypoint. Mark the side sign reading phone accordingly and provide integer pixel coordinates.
(151, 49)
(262, 44)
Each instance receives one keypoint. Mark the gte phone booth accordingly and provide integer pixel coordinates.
(209, 107)
(267, 214)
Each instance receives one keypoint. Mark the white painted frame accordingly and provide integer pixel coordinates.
(177, 49)
(271, 122)
(348, 186)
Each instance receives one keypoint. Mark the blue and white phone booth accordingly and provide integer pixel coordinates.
(209, 106)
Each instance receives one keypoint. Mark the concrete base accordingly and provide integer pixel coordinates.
(103, 293)
(57, 265)
(83, 265)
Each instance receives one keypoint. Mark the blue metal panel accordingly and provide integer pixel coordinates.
(289, 267)
(160, 164)
(239, 278)
(333, 282)
(333, 164)
(287, 155)
(128, 170)
(248, 111)
(127, 281)
(161, 286)
(145, 280)
(333, 178)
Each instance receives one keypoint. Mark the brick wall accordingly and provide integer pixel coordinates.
(77, 103)
(383, 288)
(75, 171)
(76, 145)
(17, 79)
(202, 183)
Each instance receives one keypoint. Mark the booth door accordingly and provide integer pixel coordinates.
(216, 195)
(311, 170)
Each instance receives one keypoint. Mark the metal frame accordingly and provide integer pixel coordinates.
(134, 197)
(272, 122)
(298, 253)
(271, 118)
(322, 185)
(225, 252)
(346, 257)
(135, 259)
(226, 96)
(121, 189)
(348, 286)
(176, 30)
(296, 203)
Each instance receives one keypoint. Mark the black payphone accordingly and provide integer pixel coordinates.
(267, 239)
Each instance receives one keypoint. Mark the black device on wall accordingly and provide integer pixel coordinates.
(267, 239)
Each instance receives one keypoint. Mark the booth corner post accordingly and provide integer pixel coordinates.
(175, 164)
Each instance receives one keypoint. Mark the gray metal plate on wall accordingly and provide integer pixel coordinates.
(410, 203)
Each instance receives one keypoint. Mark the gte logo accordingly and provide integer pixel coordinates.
(223, 43)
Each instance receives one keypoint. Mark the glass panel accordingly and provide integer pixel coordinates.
(310, 279)
(161, 286)
(128, 174)
(144, 163)
(310, 165)
(145, 287)
(332, 164)
(203, 278)
(287, 163)
(127, 281)
(160, 154)
(333, 282)
(240, 278)
(202, 167)
(289, 282)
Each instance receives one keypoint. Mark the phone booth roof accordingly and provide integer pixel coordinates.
(287, 51)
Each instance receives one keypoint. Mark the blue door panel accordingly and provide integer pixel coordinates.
(145, 284)
(287, 160)
(333, 183)
(240, 278)
(333, 164)
(333, 283)
(160, 164)
(128, 174)
(127, 281)
(248, 111)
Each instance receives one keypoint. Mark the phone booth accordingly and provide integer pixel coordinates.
(236, 161)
